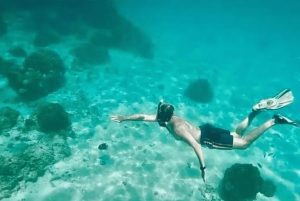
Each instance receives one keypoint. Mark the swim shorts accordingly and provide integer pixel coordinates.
(215, 138)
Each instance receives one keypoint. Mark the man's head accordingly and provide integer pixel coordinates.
(164, 113)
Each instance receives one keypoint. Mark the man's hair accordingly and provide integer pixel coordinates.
(164, 113)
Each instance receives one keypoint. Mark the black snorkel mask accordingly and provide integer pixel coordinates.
(159, 121)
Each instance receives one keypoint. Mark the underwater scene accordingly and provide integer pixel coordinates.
(141, 100)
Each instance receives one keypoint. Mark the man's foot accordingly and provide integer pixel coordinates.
(265, 104)
(280, 100)
(280, 119)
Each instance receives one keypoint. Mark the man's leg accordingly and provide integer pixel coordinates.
(245, 141)
(241, 128)
(280, 100)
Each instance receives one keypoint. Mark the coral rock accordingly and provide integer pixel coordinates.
(8, 118)
(52, 117)
(240, 182)
(200, 91)
(42, 73)
(268, 188)
(17, 52)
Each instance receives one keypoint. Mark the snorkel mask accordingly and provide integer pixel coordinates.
(159, 121)
(164, 114)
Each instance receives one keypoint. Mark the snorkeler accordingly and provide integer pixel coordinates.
(212, 137)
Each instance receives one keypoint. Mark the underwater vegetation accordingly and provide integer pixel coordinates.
(8, 118)
(243, 182)
(47, 24)
(42, 73)
(35, 70)
(7, 66)
(31, 164)
(17, 51)
(42, 138)
(97, 26)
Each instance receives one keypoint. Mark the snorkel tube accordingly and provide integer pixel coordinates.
(158, 107)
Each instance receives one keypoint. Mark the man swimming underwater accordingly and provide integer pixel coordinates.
(212, 137)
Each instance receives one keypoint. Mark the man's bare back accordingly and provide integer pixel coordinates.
(178, 127)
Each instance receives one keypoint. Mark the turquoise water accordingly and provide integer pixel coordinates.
(246, 50)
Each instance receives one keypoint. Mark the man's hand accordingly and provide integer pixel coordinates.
(203, 173)
(117, 118)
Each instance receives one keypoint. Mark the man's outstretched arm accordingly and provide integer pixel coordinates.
(135, 117)
(198, 150)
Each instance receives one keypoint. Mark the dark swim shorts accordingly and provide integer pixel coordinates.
(215, 138)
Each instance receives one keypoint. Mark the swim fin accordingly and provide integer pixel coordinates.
(280, 119)
(282, 99)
